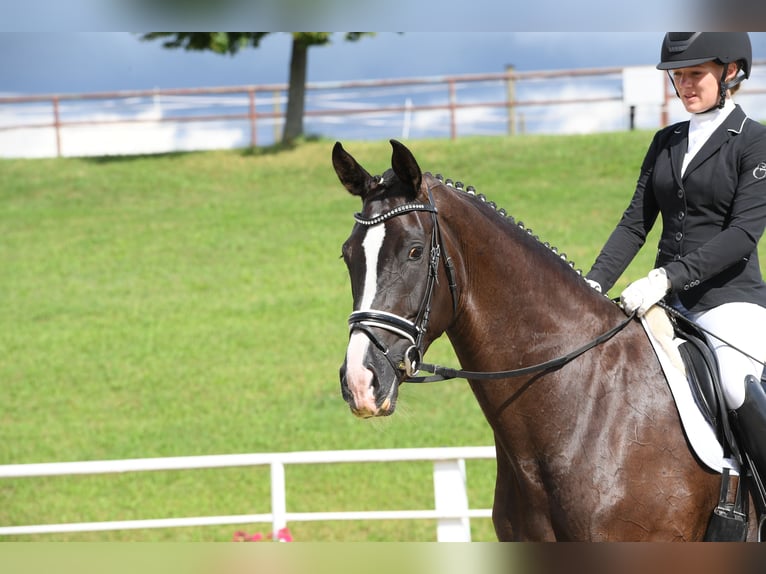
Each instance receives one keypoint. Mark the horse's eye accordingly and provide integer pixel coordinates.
(416, 253)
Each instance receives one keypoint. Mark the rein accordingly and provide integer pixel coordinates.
(414, 331)
(446, 373)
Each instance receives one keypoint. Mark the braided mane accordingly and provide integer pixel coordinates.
(471, 191)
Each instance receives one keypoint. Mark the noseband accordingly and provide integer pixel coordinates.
(413, 331)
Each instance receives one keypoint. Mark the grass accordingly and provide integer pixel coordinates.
(191, 304)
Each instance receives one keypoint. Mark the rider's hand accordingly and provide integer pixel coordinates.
(642, 294)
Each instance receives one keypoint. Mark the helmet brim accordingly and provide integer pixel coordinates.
(674, 65)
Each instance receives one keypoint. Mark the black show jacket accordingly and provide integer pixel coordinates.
(712, 217)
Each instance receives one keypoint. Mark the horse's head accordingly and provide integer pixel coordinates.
(392, 256)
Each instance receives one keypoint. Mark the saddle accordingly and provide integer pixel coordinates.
(702, 373)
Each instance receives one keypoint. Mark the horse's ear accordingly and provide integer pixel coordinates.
(352, 175)
(405, 167)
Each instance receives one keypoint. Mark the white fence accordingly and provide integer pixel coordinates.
(451, 509)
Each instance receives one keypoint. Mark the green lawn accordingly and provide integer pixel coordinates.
(192, 304)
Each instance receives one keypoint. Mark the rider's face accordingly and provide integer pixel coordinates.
(697, 86)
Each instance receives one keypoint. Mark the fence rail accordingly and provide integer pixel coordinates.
(510, 102)
(451, 510)
(263, 105)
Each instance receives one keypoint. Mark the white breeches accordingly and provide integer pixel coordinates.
(740, 325)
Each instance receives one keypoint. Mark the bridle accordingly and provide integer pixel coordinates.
(414, 331)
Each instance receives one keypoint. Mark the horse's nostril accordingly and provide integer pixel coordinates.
(344, 390)
(375, 383)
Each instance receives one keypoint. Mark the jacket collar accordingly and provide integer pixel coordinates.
(730, 127)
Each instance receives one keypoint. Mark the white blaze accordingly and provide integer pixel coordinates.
(372, 243)
(358, 377)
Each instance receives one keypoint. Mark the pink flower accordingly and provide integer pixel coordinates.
(283, 535)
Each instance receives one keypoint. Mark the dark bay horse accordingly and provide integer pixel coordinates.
(591, 450)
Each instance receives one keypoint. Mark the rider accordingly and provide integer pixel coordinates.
(707, 178)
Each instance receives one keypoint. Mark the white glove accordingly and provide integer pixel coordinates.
(642, 294)
(594, 284)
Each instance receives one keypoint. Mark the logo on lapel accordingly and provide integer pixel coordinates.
(760, 171)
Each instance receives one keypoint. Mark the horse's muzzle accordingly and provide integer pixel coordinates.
(362, 391)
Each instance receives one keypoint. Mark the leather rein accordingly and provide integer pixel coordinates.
(414, 331)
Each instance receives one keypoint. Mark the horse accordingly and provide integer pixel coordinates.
(589, 448)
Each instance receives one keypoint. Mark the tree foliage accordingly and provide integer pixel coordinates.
(218, 42)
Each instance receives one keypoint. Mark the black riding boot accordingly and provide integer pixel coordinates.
(750, 421)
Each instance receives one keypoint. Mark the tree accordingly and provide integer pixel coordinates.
(232, 42)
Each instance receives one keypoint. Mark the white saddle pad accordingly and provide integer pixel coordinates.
(699, 432)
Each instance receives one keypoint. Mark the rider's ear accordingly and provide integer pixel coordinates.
(405, 167)
(352, 175)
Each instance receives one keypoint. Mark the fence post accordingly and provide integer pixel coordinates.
(252, 114)
(278, 503)
(450, 495)
(510, 84)
(277, 112)
(452, 111)
(57, 125)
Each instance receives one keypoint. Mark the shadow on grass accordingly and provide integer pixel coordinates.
(257, 151)
(107, 159)
(280, 147)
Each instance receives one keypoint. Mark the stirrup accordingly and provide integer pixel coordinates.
(759, 498)
(728, 522)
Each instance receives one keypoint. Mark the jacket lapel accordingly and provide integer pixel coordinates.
(678, 145)
(731, 125)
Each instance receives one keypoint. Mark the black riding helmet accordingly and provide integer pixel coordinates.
(685, 49)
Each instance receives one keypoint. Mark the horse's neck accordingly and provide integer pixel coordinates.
(520, 300)
(521, 305)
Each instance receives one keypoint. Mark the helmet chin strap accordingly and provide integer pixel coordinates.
(723, 87)
(735, 80)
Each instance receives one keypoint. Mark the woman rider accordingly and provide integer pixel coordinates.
(707, 178)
